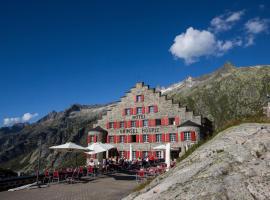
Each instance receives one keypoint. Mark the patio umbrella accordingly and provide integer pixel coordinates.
(98, 148)
(160, 147)
(69, 147)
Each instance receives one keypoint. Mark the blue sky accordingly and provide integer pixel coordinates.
(56, 53)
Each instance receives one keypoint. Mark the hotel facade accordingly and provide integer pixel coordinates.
(146, 119)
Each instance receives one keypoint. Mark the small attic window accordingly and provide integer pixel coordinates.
(139, 98)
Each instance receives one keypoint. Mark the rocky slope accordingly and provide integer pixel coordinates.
(19, 146)
(234, 165)
(227, 94)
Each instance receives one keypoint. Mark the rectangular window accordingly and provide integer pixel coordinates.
(133, 155)
(121, 154)
(172, 137)
(139, 98)
(122, 138)
(122, 124)
(158, 137)
(159, 154)
(171, 121)
(133, 123)
(145, 138)
(145, 154)
(128, 111)
(187, 135)
(151, 109)
(111, 125)
(145, 123)
(111, 139)
(158, 122)
(139, 110)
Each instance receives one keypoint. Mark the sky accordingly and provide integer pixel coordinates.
(57, 53)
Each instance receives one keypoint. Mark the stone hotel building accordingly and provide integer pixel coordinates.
(146, 119)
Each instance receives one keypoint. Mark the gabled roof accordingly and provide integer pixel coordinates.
(98, 128)
(189, 123)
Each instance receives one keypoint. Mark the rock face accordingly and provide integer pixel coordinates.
(233, 165)
(19, 144)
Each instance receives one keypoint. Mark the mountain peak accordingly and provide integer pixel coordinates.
(227, 67)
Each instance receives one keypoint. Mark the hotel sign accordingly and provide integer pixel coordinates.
(141, 130)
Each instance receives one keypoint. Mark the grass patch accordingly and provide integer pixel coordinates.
(143, 185)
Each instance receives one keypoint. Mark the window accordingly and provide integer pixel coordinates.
(158, 137)
(128, 111)
(158, 122)
(145, 154)
(145, 138)
(172, 137)
(122, 124)
(133, 123)
(139, 98)
(145, 123)
(187, 136)
(111, 139)
(92, 138)
(139, 110)
(133, 155)
(171, 121)
(122, 138)
(151, 109)
(111, 125)
(121, 154)
(133, 138)
(159, 154)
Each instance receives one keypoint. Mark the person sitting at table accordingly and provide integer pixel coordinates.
(91, 163)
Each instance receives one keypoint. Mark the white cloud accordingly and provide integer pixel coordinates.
(256, 25)
(195, 43)
(226, 21)
(13, 120)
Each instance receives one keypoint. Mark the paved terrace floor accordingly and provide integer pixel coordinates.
(111, 187)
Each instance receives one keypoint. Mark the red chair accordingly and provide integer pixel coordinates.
(56, 176)
(90, 171)
(140, 176)
(47, 177)
(81, 171)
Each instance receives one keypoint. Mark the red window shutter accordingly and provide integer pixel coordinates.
(176, 137)
(135, 98)
(137, 123)
(132, 110)
(163, 137)
(137, 138)
(123, 112)
(149, 138)
(182, 136)
(146, 109)
(193, 136)
(166, 121)
(129, 124)
(118, 124)
(135, 111)
(141, 138)
(162, 122)
(153, 122)
(153, 137)
(177, 121)
(125, 124)
(137, 154)
(88, 139)
(107, 125)
(143, 110)
(108, 139)
(155, 108)
(142, 98)
(115, 139)
(115, 125)
(95, 138)
(140, 123)
(129, 138)
(127, 154)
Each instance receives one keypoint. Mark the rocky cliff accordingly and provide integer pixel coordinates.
(19, 144)
(233, 165)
